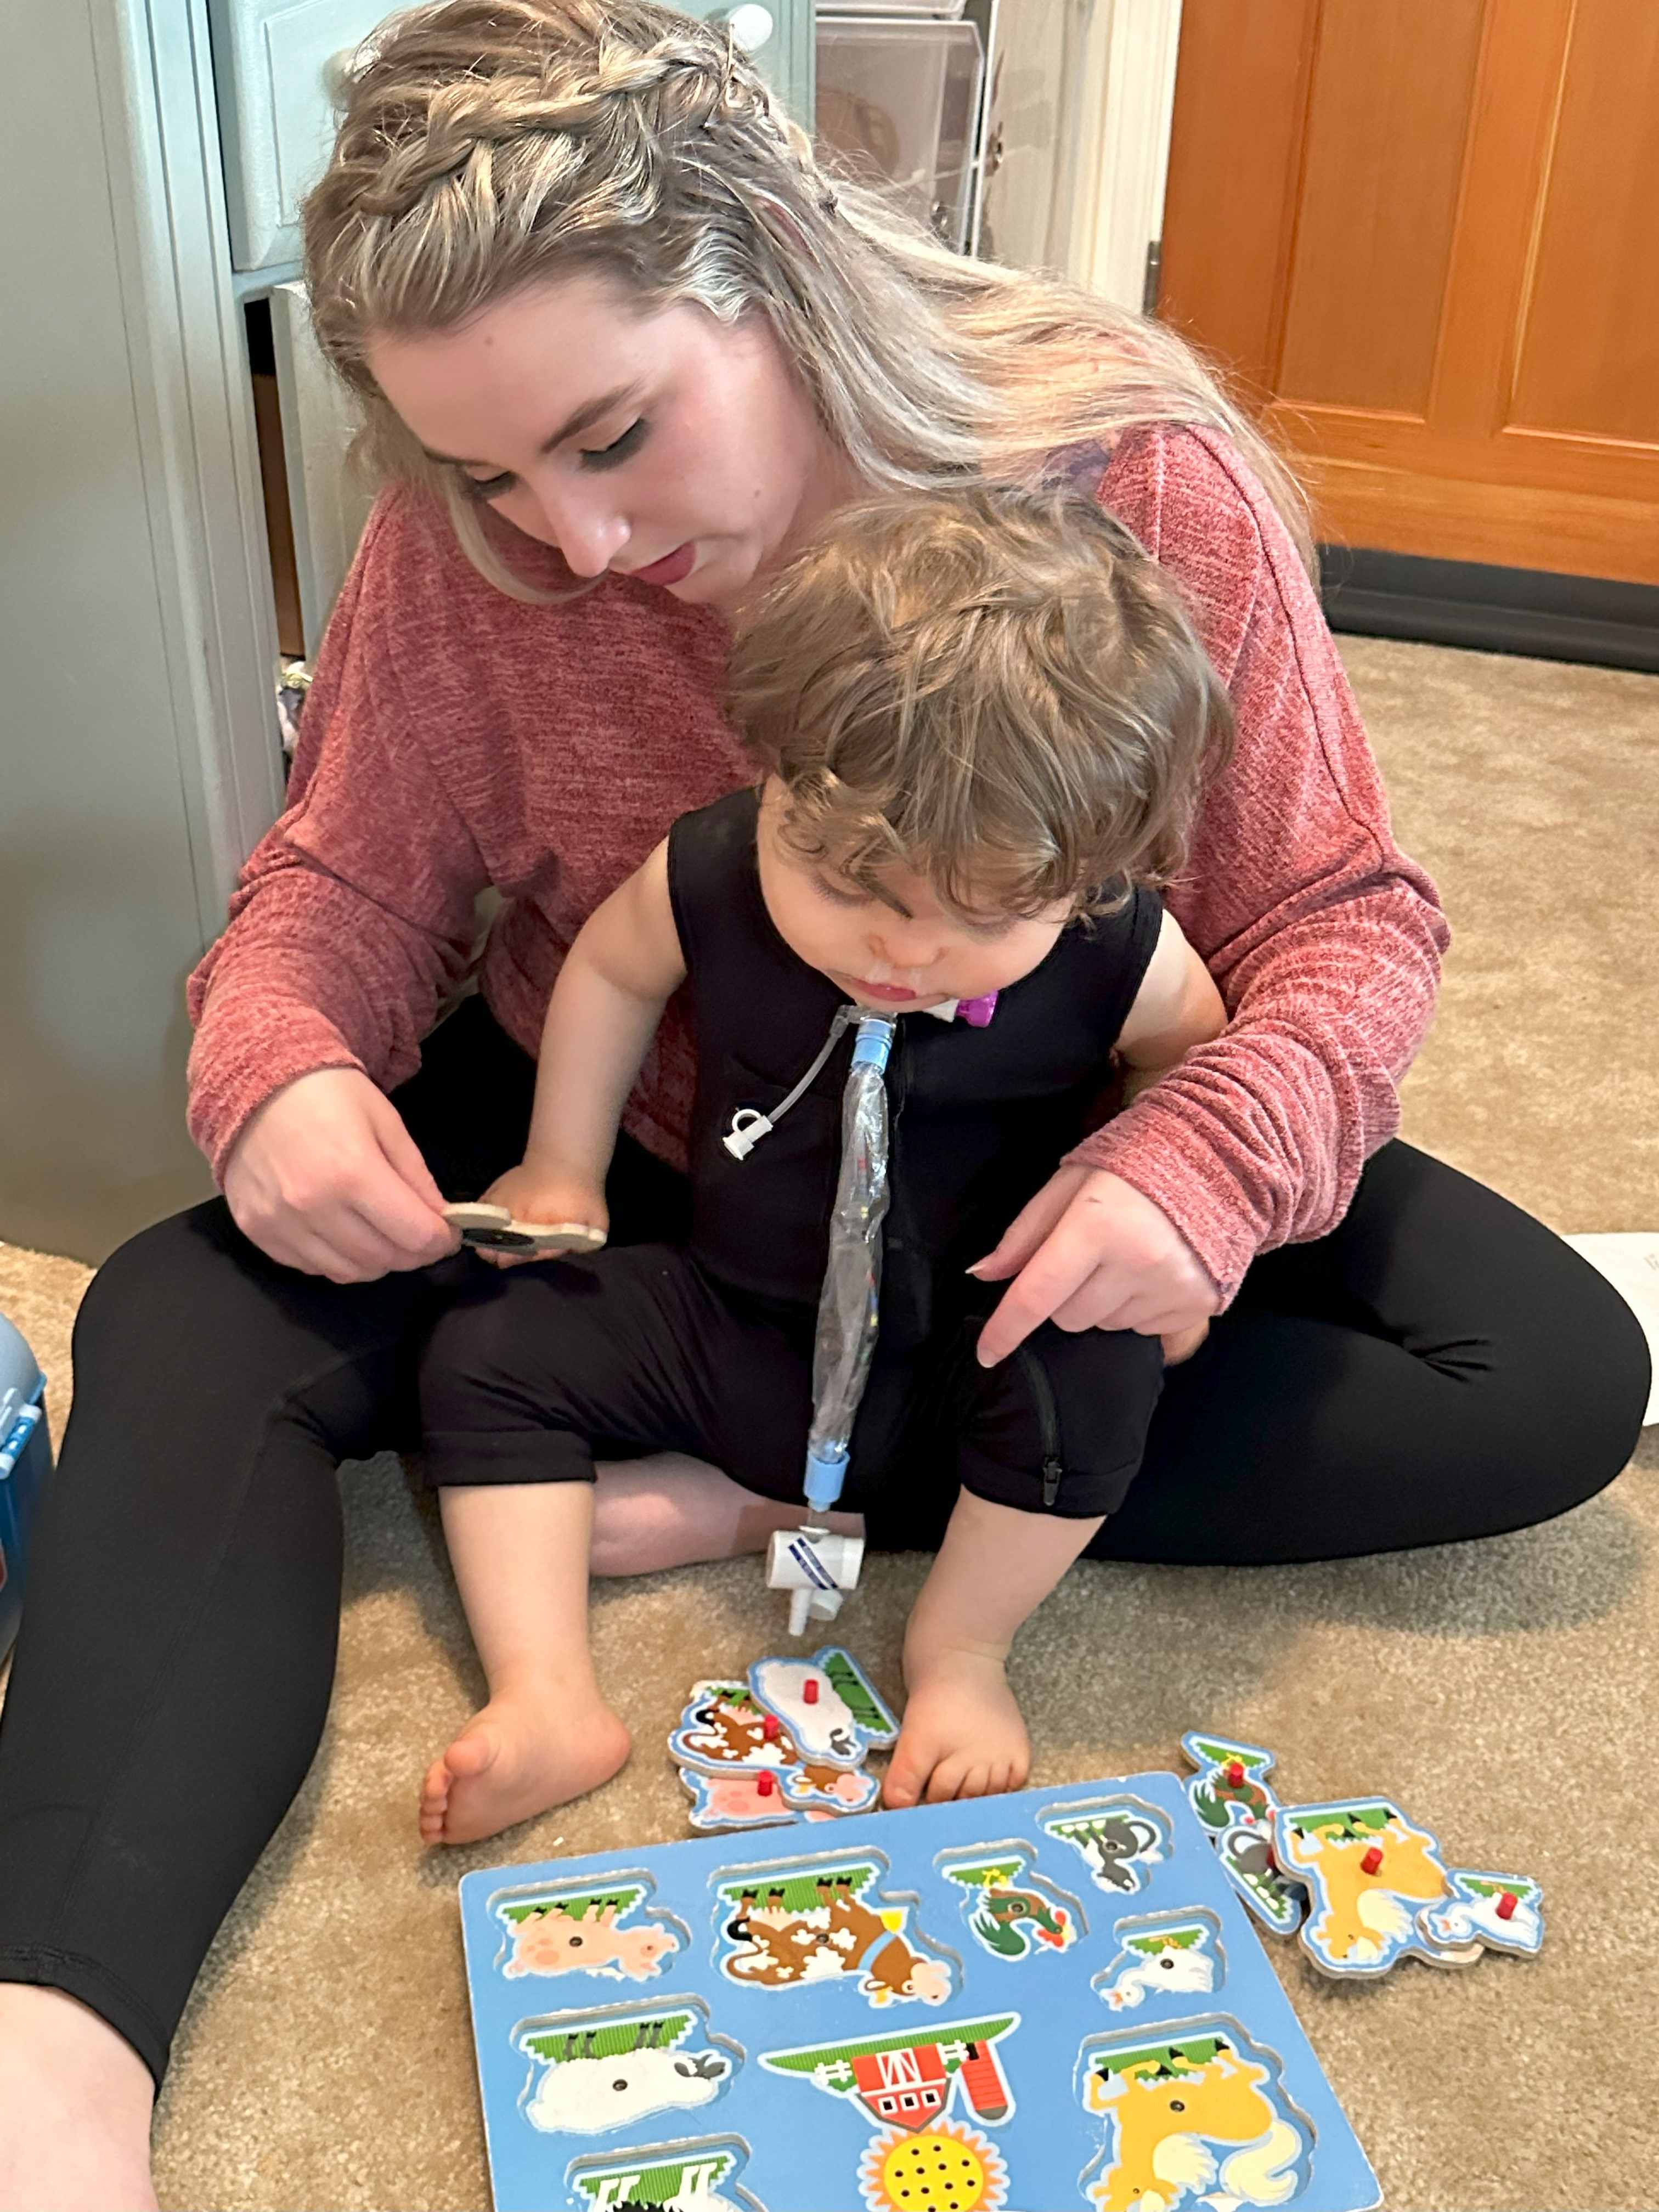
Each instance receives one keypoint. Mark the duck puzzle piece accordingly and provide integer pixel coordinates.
(1372, 1876)
(1171, 1954)
(1503, 1911)
(1231, 1796)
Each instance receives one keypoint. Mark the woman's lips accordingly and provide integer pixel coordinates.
(673, 567)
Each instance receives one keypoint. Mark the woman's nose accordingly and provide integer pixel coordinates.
(587, 532)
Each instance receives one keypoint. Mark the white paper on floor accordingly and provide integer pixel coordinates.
(1630, 1260)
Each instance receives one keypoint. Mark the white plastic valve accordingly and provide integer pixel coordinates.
(816, 1568)
(751, 25)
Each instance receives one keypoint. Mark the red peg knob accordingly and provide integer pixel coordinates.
(771, 1728)
(1236, 1773)
(1506, 1906)
(1372, 1860)
(765, 1783)
(809, 1691)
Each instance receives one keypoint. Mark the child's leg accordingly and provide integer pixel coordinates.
(1051, 1441)
(520, 1552)
(670, 1511)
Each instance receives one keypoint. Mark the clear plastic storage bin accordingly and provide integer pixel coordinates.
(898, 103)
(25, 1463)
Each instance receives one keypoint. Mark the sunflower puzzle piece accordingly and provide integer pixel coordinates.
(1011, 1914)
(1199, 2115)
(1373, 1877)
(1165, 1954)
(1231, 1796)
(798, 1927)
(787, 1743)
(605, 2070)
(1119, 1839)
(565, 1930)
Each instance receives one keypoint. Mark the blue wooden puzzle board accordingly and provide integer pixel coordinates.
(1051, 1999)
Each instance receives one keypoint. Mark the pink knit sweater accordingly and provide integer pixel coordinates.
(455, 739)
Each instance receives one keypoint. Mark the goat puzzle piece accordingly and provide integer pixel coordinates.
(1053, 1998)
(787, 1742)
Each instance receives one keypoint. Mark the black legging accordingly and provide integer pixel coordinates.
(1440, 1367)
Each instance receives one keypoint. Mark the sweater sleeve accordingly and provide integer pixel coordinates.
(355, 915)
(1323, 939)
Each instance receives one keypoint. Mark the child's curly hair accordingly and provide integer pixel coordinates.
(996, 687)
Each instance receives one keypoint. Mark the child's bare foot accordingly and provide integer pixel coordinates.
(535, 1745)
(963, 1734)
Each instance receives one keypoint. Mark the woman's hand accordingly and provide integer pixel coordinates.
(1089, 1251)
(324, 1177)
(541, 1196)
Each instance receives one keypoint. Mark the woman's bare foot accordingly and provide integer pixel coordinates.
(672, 1511)
(75, 2109)
(537, 1744)
(963, 1734)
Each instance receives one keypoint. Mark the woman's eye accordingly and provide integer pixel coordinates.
(487, 486)
(619, 450)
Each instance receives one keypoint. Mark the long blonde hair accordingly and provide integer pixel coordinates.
(488, 145)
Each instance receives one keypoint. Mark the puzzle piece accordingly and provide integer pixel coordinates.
(789, 1742)
(1503, 1911)
(1373, 1877)
(1231, 1796)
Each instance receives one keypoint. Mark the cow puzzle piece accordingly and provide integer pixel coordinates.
(579, 1931)
(1166, 1954)
(788, 1743)
(1011, 1914)
(1198, 2117)
(799, 1927)
(1373, 1877)
(1119, 1839)
(604, 2071)
(1231, 1796)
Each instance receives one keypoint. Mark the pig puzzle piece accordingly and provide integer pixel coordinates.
(1381, 1891)
(789, 1742)
(1231, 1794)
(583, 1931)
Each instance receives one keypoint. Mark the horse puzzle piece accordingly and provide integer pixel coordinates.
(1198, 2117)
(796, 1928)
(1374, 1878)
(1171, 1954)
(608, 2071)
(788, 1743)
(563, 1931)
(1119, 1840)
(1231, 1796)
(1014, 1915)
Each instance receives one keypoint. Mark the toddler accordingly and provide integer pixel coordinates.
(981, 720)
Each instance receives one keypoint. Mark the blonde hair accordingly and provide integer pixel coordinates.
(489, 145)
(996, 687)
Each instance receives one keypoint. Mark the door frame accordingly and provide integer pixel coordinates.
(1127, 113)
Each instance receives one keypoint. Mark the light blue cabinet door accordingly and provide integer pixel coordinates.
(274, 62)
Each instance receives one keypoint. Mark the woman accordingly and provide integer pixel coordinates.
(596, 299)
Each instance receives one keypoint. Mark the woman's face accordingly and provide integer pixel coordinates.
(661, 445)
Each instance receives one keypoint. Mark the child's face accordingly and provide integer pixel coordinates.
(885, 958)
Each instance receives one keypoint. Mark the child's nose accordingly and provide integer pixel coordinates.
(904, 945)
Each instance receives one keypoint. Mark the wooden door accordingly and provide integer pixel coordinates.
(1423, 234)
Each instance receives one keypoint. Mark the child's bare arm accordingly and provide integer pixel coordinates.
(963, 1734)
(618, 975)
(1177, 1007)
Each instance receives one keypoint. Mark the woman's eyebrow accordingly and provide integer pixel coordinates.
(586, 415)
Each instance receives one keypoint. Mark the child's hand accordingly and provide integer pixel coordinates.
(542, 1196)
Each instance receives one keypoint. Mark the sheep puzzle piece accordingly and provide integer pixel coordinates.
(1050, 1999)
(787, 1743)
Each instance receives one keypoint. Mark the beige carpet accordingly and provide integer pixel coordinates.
(326, 2061)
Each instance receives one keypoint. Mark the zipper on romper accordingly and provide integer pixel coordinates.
(1053, 1464)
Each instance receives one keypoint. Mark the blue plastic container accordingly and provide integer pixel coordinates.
(25, 1463)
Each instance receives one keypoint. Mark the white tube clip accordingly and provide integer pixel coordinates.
(816, 1569)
